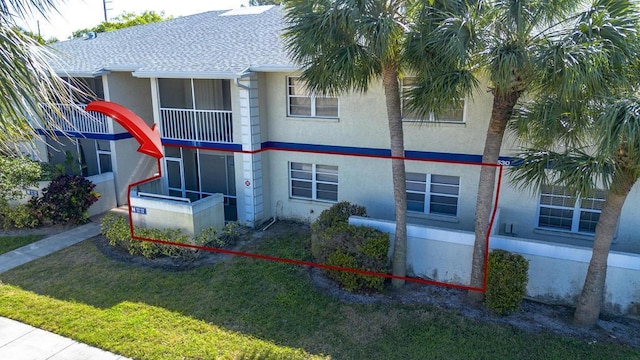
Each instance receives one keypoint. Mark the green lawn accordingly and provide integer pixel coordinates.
(246, 308)
(8, 243)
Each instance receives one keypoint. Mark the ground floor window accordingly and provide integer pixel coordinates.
(433, 194)
(559, 209)
(313, 181)
(86, 157)
(196, 174)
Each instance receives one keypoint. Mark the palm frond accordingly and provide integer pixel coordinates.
(343, 44)
(575, 169)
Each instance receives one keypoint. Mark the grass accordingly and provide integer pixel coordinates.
(8, 243)
(246, 308)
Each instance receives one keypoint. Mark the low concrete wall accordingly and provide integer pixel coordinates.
(105, 186)
(556, 271)
(164, 213)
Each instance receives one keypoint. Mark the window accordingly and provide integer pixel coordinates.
(315, 182)
(301, 102)
(453, 114)
(433, 194)
(559, 209)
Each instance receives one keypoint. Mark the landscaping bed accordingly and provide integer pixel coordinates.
(286, 305)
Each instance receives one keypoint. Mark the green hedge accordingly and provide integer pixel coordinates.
(336, 243)
(507, 279)
(116, 229)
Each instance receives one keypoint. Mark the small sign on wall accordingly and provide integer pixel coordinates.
(139, 210)
(32, 192)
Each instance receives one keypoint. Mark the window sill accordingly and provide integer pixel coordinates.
(565, 234)
(313, 118)
(312, 201)
(434, 123)
(435, 217)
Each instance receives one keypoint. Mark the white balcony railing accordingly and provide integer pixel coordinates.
(197, 125)
(73, 118)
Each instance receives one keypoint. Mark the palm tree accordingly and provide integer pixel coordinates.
(601, 151)
(346, 45)
(524, 49)
(26, 79)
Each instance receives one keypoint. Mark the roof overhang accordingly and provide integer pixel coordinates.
(186, 74)
(88, 73)
(274, 68)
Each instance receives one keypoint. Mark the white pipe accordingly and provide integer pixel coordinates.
(271, 223)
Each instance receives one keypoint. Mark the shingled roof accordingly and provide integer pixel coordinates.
(221, 44)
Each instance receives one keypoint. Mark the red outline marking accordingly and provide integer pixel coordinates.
(323, 266)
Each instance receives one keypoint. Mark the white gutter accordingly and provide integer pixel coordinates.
(274, 68)
(185, 75)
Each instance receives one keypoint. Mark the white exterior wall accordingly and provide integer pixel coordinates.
(556, 271)
(362, 123)
(128, 164)
(191, 218)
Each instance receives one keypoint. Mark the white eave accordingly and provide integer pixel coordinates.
(274, 68)
(186, 74)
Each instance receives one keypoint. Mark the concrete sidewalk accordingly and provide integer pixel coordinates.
(48, 245)
(19, 341)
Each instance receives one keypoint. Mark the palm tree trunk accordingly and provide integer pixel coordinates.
(592, 296)
(392, 100)
(500, 115)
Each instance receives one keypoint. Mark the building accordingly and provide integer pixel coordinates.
(235, 119)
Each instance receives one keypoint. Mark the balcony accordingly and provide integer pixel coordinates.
(197, 125)
(73, 118)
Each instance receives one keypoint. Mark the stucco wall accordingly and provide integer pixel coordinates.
(192, 218)
(556, 272)
(130, 165)
(104, 186)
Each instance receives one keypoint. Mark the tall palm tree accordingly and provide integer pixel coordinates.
(601, 152)
(27, 81)
(524, 49)
(346, 45)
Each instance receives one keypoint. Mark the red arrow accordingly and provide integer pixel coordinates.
(149, 138)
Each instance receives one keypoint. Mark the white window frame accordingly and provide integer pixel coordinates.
(432, 116)
(428, 183)
(313, 181)
(312, 98)
(576, 209)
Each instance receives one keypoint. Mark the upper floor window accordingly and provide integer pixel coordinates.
(313, 181)
(453, 114)
(304, 103)
(433, 194)
(559, 209)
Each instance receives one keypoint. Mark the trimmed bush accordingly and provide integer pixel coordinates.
(116, 229)
(336, 243)
(356, 247)
(507, 279)
(336, 214)
(17, 216)
(65, 200)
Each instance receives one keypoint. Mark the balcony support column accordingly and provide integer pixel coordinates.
(252, 185)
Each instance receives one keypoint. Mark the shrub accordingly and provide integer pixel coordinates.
(17, 174)
(356, 247)
(116, 229)
(17, 216)
(228, 237)
(66, 200)
(336, 214)
(507, 279)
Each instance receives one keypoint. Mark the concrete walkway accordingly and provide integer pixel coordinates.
(19, 341)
